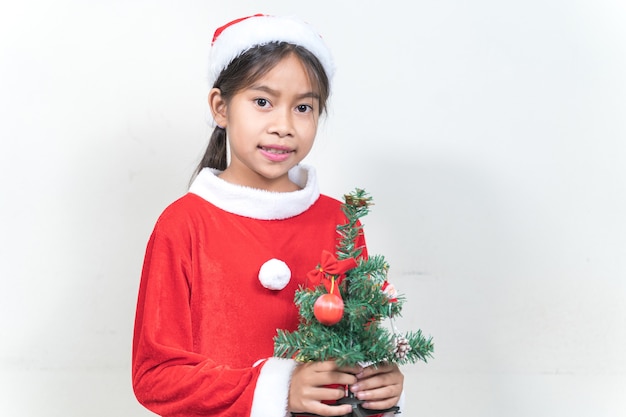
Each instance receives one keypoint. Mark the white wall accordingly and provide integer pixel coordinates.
(491, 135)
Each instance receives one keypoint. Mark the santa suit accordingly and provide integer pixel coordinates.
(205, 324)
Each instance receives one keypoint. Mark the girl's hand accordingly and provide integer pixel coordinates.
(309, 387)
(379, 387)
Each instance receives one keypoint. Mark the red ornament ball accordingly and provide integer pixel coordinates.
(328, 309)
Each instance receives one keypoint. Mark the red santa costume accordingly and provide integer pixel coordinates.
(205, 322)
(221, 269)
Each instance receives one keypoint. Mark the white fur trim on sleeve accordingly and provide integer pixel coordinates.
(272, 388)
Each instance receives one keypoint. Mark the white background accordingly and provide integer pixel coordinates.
(491, 134)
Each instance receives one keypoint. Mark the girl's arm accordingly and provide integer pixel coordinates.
(169, 377)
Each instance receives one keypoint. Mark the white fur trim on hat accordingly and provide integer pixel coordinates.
(235, 38)
(274, 274)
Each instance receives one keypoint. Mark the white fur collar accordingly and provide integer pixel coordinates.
(256, 203)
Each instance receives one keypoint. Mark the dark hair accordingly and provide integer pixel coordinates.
(243, 71)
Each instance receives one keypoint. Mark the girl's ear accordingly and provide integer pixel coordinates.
(218, 107)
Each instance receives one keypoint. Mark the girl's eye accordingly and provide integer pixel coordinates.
(261, 102)
(303, 108)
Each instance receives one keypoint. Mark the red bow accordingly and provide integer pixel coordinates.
(330, 271)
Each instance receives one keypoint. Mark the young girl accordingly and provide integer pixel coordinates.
(224, 261)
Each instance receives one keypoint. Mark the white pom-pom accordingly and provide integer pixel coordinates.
(274, 274)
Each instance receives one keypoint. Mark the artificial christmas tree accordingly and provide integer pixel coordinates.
(343, 307)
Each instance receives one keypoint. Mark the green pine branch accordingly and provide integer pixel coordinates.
(360, 336)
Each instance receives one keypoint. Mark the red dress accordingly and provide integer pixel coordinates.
(204, 327)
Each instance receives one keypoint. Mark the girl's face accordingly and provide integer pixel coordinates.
(271, 126)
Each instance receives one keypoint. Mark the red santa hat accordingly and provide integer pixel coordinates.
(236, 37)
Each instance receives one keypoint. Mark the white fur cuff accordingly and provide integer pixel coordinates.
(272, 388)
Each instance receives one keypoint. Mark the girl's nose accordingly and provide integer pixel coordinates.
(282, 123)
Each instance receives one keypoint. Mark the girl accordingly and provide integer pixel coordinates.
(224, 261)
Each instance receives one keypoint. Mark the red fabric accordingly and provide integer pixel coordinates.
(203, 318)
(221, 29)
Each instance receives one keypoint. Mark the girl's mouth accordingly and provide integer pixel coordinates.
(274, 150)
(275, 153)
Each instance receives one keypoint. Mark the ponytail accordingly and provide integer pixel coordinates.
(215, 154)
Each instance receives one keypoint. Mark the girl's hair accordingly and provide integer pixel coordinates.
(246, 69)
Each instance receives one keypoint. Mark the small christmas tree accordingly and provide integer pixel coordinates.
(343, 308)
